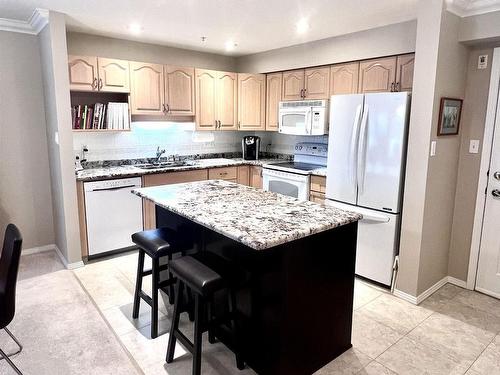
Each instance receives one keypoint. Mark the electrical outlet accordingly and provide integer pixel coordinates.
(474, 146)
(433, 148)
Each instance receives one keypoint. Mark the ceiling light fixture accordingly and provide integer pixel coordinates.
(230, 45)
(135, 28)
(302, 26)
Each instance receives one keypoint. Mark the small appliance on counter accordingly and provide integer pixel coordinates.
(250, 145)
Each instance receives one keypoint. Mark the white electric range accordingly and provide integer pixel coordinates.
(293, 178)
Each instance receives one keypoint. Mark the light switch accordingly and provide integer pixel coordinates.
(433, 148)
(474, 146)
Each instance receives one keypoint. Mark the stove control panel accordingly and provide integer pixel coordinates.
(311, 149)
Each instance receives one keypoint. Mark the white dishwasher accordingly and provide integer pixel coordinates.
(113, 214)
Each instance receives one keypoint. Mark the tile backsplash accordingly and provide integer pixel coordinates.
(176, 139)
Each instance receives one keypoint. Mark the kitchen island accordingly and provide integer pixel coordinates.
(297, 259)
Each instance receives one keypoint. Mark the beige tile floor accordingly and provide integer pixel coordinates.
(455, 331)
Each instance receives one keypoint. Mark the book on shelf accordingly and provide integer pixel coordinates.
(113, 116)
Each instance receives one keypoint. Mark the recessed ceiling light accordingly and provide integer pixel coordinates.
(230, 45)
(135, 28)
(302, 26)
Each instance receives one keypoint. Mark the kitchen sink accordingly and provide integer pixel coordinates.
(166, 164)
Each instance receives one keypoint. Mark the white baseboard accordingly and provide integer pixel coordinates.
(38, 249)
(53, 247)
(426, 294)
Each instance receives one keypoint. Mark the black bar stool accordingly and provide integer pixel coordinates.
(157, 243)
(205, 274)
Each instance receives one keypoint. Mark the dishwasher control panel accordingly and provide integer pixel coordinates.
(112, 184)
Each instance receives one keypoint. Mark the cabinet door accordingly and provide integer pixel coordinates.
(227, 100)
(206, 84)
(82, 73)
(113, 75)
(344, 79)
(224, 173)
(243, 175)
(273, 98)
(256, 176)
(251, 101)
(378, 75)
(404, 72)
(179, 90)
(317, 83)
(146, 94)
(293, 84)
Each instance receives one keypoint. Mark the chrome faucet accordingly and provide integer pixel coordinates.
(159, 153)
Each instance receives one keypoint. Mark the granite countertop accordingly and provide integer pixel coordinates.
(107, 172)
(256, 218)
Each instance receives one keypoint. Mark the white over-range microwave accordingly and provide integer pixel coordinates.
(303, 117)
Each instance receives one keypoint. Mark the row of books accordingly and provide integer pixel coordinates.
(113, 116)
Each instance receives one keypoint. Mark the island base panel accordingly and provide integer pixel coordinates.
(296, 303)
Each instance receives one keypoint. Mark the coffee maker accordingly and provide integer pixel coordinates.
(250, 145)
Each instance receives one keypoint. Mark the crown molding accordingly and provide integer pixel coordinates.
(38, 20)
(466, 8)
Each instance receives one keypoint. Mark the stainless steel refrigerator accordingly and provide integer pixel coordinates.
(366, 165)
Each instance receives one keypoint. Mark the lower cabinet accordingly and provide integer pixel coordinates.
(243, 175)
(317, 189)
(255, 176)
(225, 173)
(148, 207)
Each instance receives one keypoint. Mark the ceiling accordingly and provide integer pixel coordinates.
(254, 25)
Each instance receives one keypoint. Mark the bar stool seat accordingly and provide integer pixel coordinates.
(205, 274)
(156, 243)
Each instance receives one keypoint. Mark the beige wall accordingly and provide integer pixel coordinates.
(472, 127)
(480, 28)
(54, 60)
(94, 45)
(383, 41)
(443, 168)
(25, 194)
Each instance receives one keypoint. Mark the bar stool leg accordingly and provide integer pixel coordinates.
(198, 334)
(171, 286)
(138, 285)
(154, 291)
(179, 289)
(240, 364)
(210, 315)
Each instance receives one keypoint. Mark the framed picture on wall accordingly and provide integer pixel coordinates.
(449, 116)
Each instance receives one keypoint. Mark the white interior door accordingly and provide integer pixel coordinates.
(488, 272)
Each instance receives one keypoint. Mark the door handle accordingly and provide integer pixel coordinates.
(353, 151)
(496, 175)
(495, 193)
(360, 162)
(100, 83)
(94, 84)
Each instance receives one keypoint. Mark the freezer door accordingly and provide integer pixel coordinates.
(345, 117)
(382, 151)
(377, 245)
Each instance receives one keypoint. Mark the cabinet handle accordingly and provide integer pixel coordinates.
(219, 124)
(168, 108)
(392, 87)
(239, 124)
(94, 84)
(164, 109)
(100, 83)
(304, 93)
(398, 86)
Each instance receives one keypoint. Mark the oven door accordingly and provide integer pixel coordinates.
(291, 184)
(295, 121)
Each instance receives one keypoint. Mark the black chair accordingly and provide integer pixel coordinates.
(156, 243)
(9, 266)
(205, 274)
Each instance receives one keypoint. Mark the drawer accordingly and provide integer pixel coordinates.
(318, 184)
(316, 197)
(226, 173)
(174, 177)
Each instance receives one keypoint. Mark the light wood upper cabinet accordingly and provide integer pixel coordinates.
(317, 83)
(251, 101)
(206, 85)
(113, 75)
(404, 72)
(377, 75)
(273, 98)
(293, 84)
(226, 99)
(344, 78)
(83, 74)
(179, 90)
(146, 95)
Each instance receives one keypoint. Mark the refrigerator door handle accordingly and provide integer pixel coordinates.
(353, 149)
(361, 151)
(376, 218)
